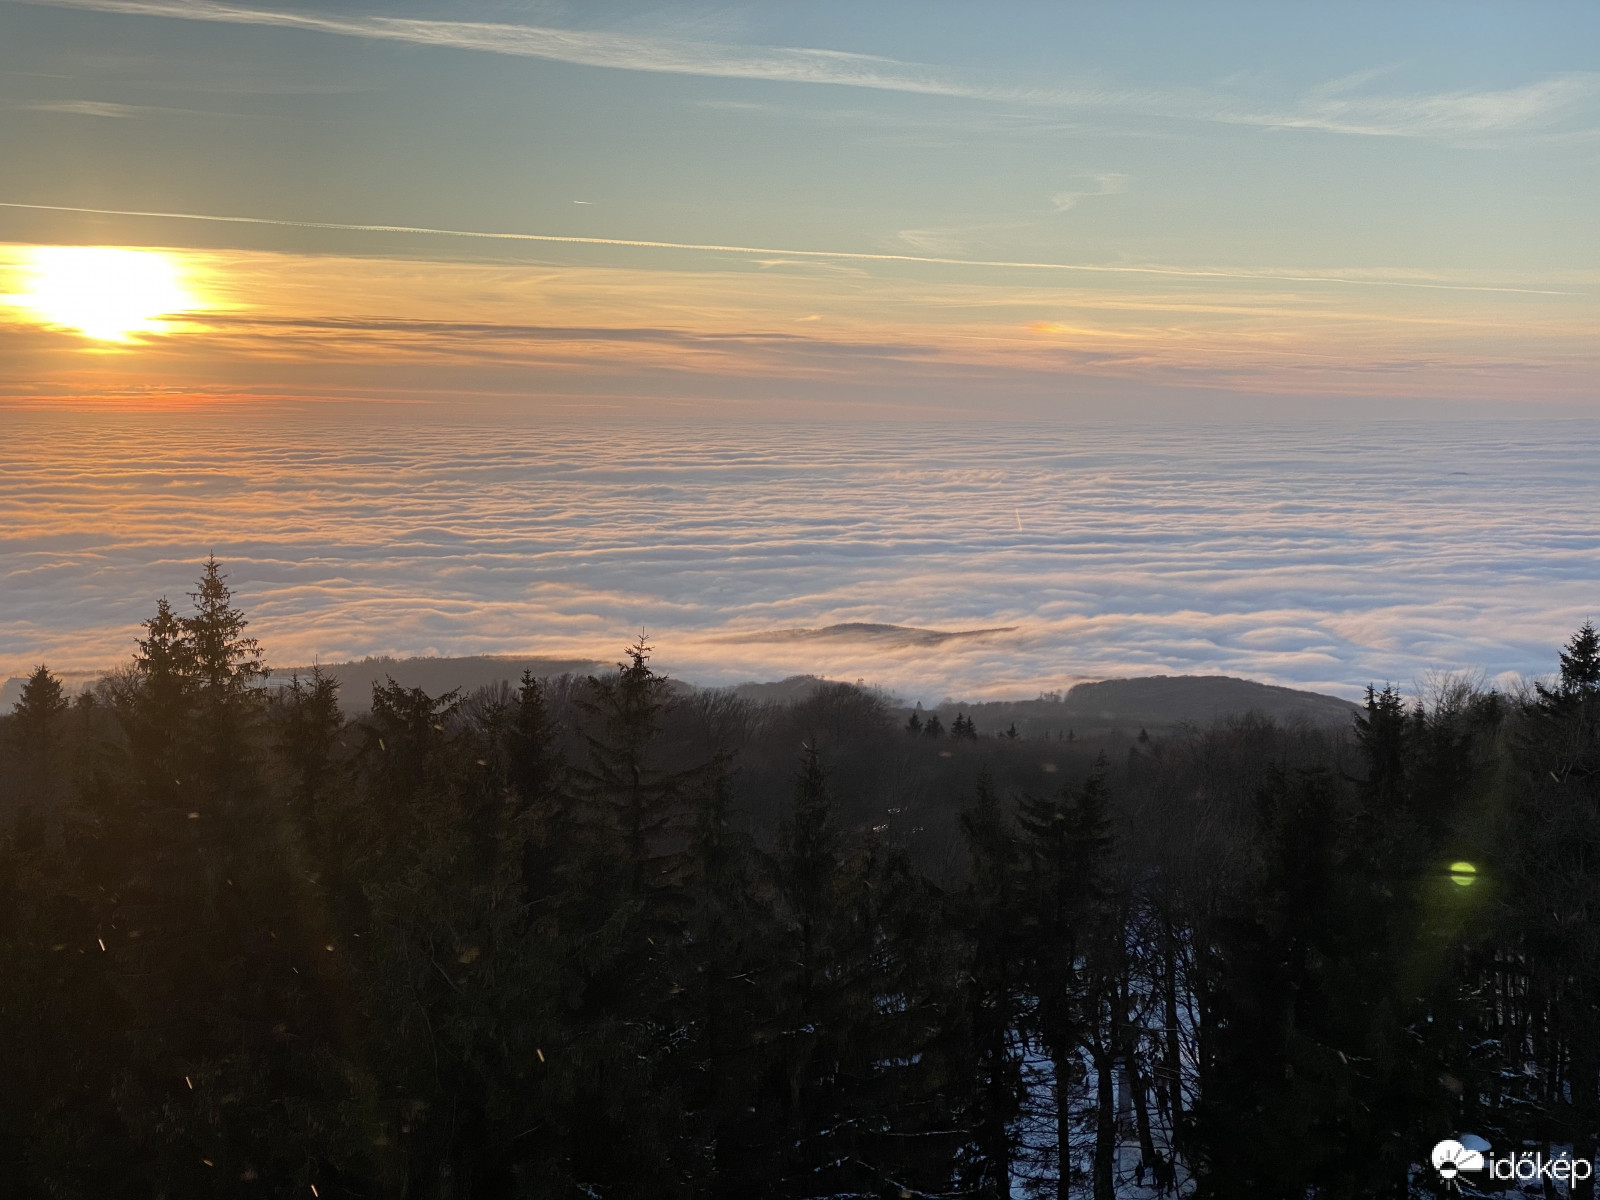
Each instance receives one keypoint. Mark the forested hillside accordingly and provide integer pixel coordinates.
(593, 936)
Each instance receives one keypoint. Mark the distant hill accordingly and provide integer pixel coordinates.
(861, 631)
(1153, 702)
(786, 691)
(1175, 697)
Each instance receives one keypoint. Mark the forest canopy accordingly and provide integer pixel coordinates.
(599, 936)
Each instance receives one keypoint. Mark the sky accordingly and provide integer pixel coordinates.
(1249, 338)
(1040, 209)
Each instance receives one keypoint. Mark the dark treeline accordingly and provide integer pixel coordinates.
(599, 937)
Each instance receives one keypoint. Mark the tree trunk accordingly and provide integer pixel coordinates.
(1169, 1000)
(1062, 1066)
(1105, 1128)
(1148, 1154)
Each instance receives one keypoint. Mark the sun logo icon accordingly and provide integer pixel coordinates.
(1450, 1158)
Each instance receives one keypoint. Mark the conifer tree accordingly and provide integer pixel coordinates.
(35, 719)
(216, 1009)
(154, 704)
(35, 737)
(227, 666)
(258, 948)
(722, 973)
(430, 861)
(1382, 733)
(1309, 1078)
(53, 1002)
(532, 766)
(994, 913)
(535, 772)
(1065, 840)
(1580, 663)
(625, 784)
(1547, 952)
(862, 1069)
(631, 816)
(813, 996)
(309, 722)
(226, 663)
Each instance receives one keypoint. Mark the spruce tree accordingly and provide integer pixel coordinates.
(1382, 731)
(35, 719)
(993, 912)
(191, 877)
(862, 1067)
(1315, 1068)
(632, 814)
(532, 761)
(1065, 842)
(155, 705)
(627, 787)
(35, 736)
(54, 1002)
(309, 722)
(226, 663)
(1580, 663)
(722, 971)
(1547, 951)
(813, 1008)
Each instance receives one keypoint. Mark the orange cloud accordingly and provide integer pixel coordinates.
(342, 325)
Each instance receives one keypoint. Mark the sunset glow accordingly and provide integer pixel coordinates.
(109, 295)
(961, 241)
(803, 600)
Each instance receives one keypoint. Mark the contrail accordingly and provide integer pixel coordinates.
(853, 255)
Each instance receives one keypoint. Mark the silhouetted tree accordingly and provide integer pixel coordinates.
(994, 913)
(1065, 841)
(36, 731)
(588, 937)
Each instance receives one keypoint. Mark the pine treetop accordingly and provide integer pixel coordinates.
(224, 659)
(42, 698)
(1580, 662)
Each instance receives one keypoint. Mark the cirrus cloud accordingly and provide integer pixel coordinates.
(1331, 108)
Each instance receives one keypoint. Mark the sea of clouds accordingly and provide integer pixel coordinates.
(1313, 555)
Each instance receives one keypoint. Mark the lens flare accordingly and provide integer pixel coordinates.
(105, 294)
(1463, 874)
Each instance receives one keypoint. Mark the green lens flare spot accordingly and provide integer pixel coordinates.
(1463, 874)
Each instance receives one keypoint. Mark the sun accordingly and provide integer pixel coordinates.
(103, 293)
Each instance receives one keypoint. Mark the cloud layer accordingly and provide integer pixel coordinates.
(1315, 556)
